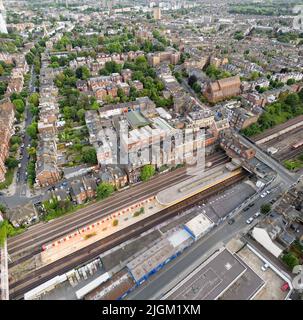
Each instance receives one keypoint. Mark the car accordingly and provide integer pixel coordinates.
(251, 205)
(22, 145)
(257, 214)
(264, 267)
(268, 191)
(264, 194)
(246, 208)
(231, 221)
(250, 220)
(285, 287)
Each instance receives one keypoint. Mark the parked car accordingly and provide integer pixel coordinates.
(257, 214)
(250, 220)
(246, 208)
(264, 267)
(285, 287)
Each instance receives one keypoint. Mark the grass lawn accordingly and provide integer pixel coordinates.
(294, 164)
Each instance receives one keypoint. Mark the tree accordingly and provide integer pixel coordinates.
(115, 222)
(34, 110)
(19, 104)
(290, 259)
(82, 73)
(147, 172)
(2, 208)
(81, 114)
(265, 208)
(293, 100)
(15, 140)
(11, 162)
(104, 190)
(90, 156)
(192, 79)
(34, 99)
(30, 58)
(290, 82)
(197, 87)
(32, 130)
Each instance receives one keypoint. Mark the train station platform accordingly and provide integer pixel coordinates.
(194, 185)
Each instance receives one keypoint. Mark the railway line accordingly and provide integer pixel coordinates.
(30, 242)
(39, 276)
(290, 154)
(273, 141)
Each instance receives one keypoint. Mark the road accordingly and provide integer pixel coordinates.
(283, 173)
(176, 270)
(22, 186)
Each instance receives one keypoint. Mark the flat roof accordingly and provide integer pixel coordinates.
(211, 279)
(157, 254)
(246, 287)
(136, 119)
(194, 185)
(198, 225)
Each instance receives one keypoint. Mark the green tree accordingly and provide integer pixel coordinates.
(32, 130)
(11, 162)
(82, 73)
(34, 99)
(34, 110)
(15, 140)
(290, 82)
(30, 58)
(90, 156)
(19, 104)
(147, 172)
(192, 79)
(290, 259)
(265, 208)
(104, 190)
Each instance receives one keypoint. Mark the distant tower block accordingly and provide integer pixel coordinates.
(157, 13)
(3, 28)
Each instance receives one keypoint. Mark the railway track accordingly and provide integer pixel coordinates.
(41, 233)
(19, 288)
(273, 141)
(290, 154)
